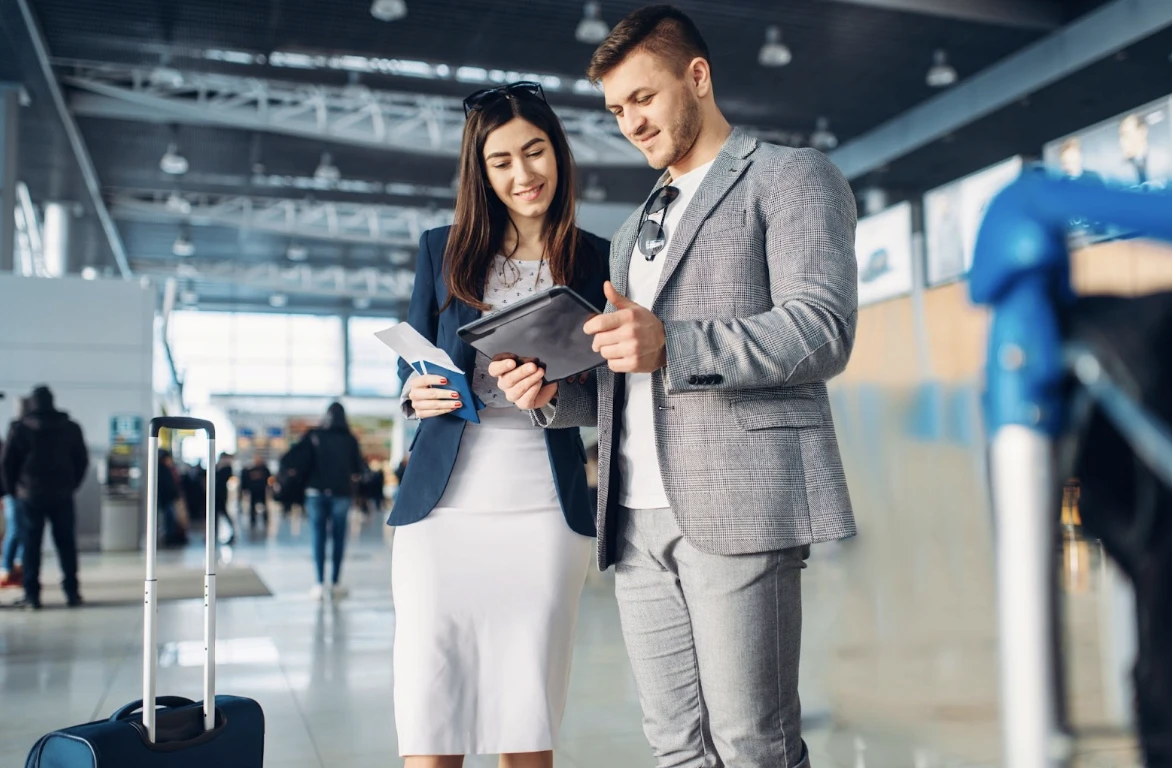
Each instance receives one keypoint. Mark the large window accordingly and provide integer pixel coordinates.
(374, 367)
(257, 354)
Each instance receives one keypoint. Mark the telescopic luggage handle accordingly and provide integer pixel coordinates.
(150, 603)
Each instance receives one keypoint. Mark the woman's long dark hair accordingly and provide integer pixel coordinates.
(482, 220)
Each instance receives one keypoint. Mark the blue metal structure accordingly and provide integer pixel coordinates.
(1021, 269)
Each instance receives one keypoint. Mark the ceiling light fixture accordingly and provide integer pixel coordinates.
(177, 204)
(388, 10)
(592, 30)
(278, 300)
(822, 139)
(183, 247)
(166, 77)
(172, 162)
(297, 252)
(89, 273)
(941, 74)
(326, 170)
(774, 53)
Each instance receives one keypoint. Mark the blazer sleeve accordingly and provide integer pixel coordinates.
(423, 314)
(808, 334)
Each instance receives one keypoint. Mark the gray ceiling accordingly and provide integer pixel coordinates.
(857, 62)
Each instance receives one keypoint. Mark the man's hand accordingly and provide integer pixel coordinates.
(522, 385)
(631, 339)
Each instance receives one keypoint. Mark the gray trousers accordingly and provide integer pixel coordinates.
(714, 643)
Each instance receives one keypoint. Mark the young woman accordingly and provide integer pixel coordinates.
(494, 523)
(334, 465)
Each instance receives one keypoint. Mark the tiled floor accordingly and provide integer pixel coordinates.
(323, 671)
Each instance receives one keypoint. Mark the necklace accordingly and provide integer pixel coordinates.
(509, 265)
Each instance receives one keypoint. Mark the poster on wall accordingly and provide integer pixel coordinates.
(953, 215)
(1132, 150)
(883, 248)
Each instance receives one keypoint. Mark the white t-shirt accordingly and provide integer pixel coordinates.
(642, 486)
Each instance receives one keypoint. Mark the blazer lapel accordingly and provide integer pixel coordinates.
(726, 170)
(621, 249)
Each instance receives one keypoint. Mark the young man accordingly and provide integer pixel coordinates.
(44, 463)
(734, 300)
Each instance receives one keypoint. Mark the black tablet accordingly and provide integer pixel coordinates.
(545, 328)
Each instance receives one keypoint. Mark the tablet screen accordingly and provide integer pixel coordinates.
(546, 328)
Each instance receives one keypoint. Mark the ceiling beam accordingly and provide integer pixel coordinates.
(1027, 14)
(76, 142)
(293, 280)
(406, 122)
(1095, 36)
(386, 225)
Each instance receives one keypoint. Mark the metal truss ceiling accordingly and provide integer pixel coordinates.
(303, 280)
(355, 115)
(340, 222)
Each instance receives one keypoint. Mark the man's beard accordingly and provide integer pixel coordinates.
(682, 135)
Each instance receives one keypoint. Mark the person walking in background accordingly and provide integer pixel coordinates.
(168, 495)
(256, 486)
(44, 463)
(334, 468)
(224, 473)
(13, 524)
(194, 482)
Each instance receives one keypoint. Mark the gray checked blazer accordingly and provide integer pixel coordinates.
(759, 300)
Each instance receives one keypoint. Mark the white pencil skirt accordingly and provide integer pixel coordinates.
(486, 592)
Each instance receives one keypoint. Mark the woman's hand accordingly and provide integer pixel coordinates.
(522, 386)
(428, 401)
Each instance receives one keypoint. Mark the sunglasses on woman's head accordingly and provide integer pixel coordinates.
(652, 235)
(525, 89)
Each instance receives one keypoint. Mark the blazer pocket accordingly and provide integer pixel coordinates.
(722, 222)
(791, 413)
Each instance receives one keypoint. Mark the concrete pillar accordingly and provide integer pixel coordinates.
(9, 125)
(56, 239)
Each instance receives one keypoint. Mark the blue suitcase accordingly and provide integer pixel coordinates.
(168, 731)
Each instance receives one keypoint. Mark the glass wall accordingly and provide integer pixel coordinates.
(374, 367)
(221, 353)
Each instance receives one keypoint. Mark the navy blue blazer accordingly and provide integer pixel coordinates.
(433, 451)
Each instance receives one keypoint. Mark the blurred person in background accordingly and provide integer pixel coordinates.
(167, 494)
(13, 525)
(493, 525)
(332, 467)
(224, 474)
(44, 463)
(194, 483)
(735, 300)
(256, 485)
(373, 487)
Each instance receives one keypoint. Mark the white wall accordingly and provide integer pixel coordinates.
(90, 341)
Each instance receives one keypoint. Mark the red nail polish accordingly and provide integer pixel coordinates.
(455, 394)
(443, 381)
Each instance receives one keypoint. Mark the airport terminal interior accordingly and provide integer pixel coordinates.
(209, 209)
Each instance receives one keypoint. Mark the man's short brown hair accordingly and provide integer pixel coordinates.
(662, 30)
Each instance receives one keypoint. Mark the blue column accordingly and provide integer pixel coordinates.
(9, 125)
